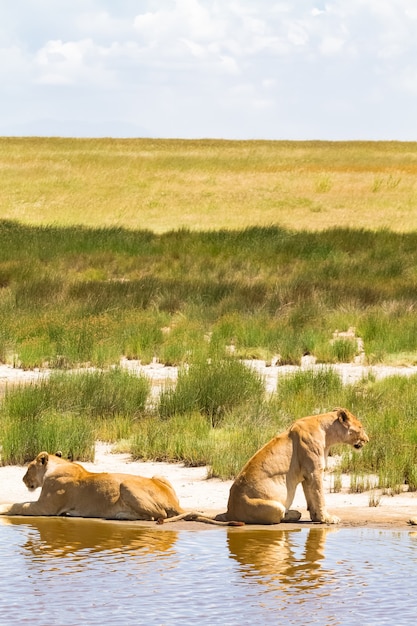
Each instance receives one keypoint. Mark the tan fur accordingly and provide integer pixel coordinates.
(69, 489)
(193, 516)
(264, 490)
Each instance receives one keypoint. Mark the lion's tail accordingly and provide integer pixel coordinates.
(197, 517)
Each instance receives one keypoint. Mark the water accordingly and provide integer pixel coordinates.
(73, 572)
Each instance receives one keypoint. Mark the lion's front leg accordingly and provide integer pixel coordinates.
(314, 493)
(23, 508)
(47, 504)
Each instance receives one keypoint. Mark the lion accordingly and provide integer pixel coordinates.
(71, 490)
(68, 489)
(264, 490)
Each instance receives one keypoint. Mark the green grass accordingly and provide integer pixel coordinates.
(24, 437)
(188, 252)
(182, 438)
(76, 296)
(389, 409)
(213, 389)
(68, 412)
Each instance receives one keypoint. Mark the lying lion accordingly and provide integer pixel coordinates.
(264, 490)
(71, 490)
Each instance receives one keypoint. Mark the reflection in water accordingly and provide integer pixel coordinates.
(66, 571)
(276, 557)
(80, 571)
(323, 575)
(58, 537)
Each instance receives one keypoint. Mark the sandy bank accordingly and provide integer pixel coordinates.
(196, 492)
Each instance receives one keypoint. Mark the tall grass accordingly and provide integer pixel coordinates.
(51, 415)
(213, 389)
(69, 411)
(92, 393)
(23, 438)
(72, 297)
(308, 392)
(181, 438)
(389, 409)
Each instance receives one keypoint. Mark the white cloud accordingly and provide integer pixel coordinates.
(331, 45)
(231, 68)
(297, 34)
(229, 64)
(70, 63)
(196, 49)
(185, 19)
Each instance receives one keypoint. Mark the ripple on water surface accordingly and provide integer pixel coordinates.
(65, 571)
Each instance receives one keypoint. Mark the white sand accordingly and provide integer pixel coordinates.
(161, 375)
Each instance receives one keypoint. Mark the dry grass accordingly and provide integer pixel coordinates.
(162, 185)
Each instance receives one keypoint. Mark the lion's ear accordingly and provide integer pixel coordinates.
(43, 458)
(342, 416)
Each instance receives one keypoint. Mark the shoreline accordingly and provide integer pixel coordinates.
(209, 495)
(195, 490)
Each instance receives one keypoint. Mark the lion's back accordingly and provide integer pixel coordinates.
(273, 458)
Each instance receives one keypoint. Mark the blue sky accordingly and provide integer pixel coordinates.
(238, 69)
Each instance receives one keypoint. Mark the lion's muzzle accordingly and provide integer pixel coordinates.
(31, 486)
(361, 442)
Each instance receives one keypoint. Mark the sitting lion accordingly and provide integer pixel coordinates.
(263, 491)
(70, 489)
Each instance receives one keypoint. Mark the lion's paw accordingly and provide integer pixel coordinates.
(325, 518)
(291, 516)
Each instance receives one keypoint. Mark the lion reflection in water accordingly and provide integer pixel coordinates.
(274, 555)
(58, 537)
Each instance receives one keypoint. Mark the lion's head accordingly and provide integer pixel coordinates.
(36, 471)
(355, 433)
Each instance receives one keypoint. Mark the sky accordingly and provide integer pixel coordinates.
(229, 69)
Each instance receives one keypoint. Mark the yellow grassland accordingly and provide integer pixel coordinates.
(163, 185)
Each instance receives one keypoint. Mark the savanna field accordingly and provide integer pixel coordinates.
(198, 254)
